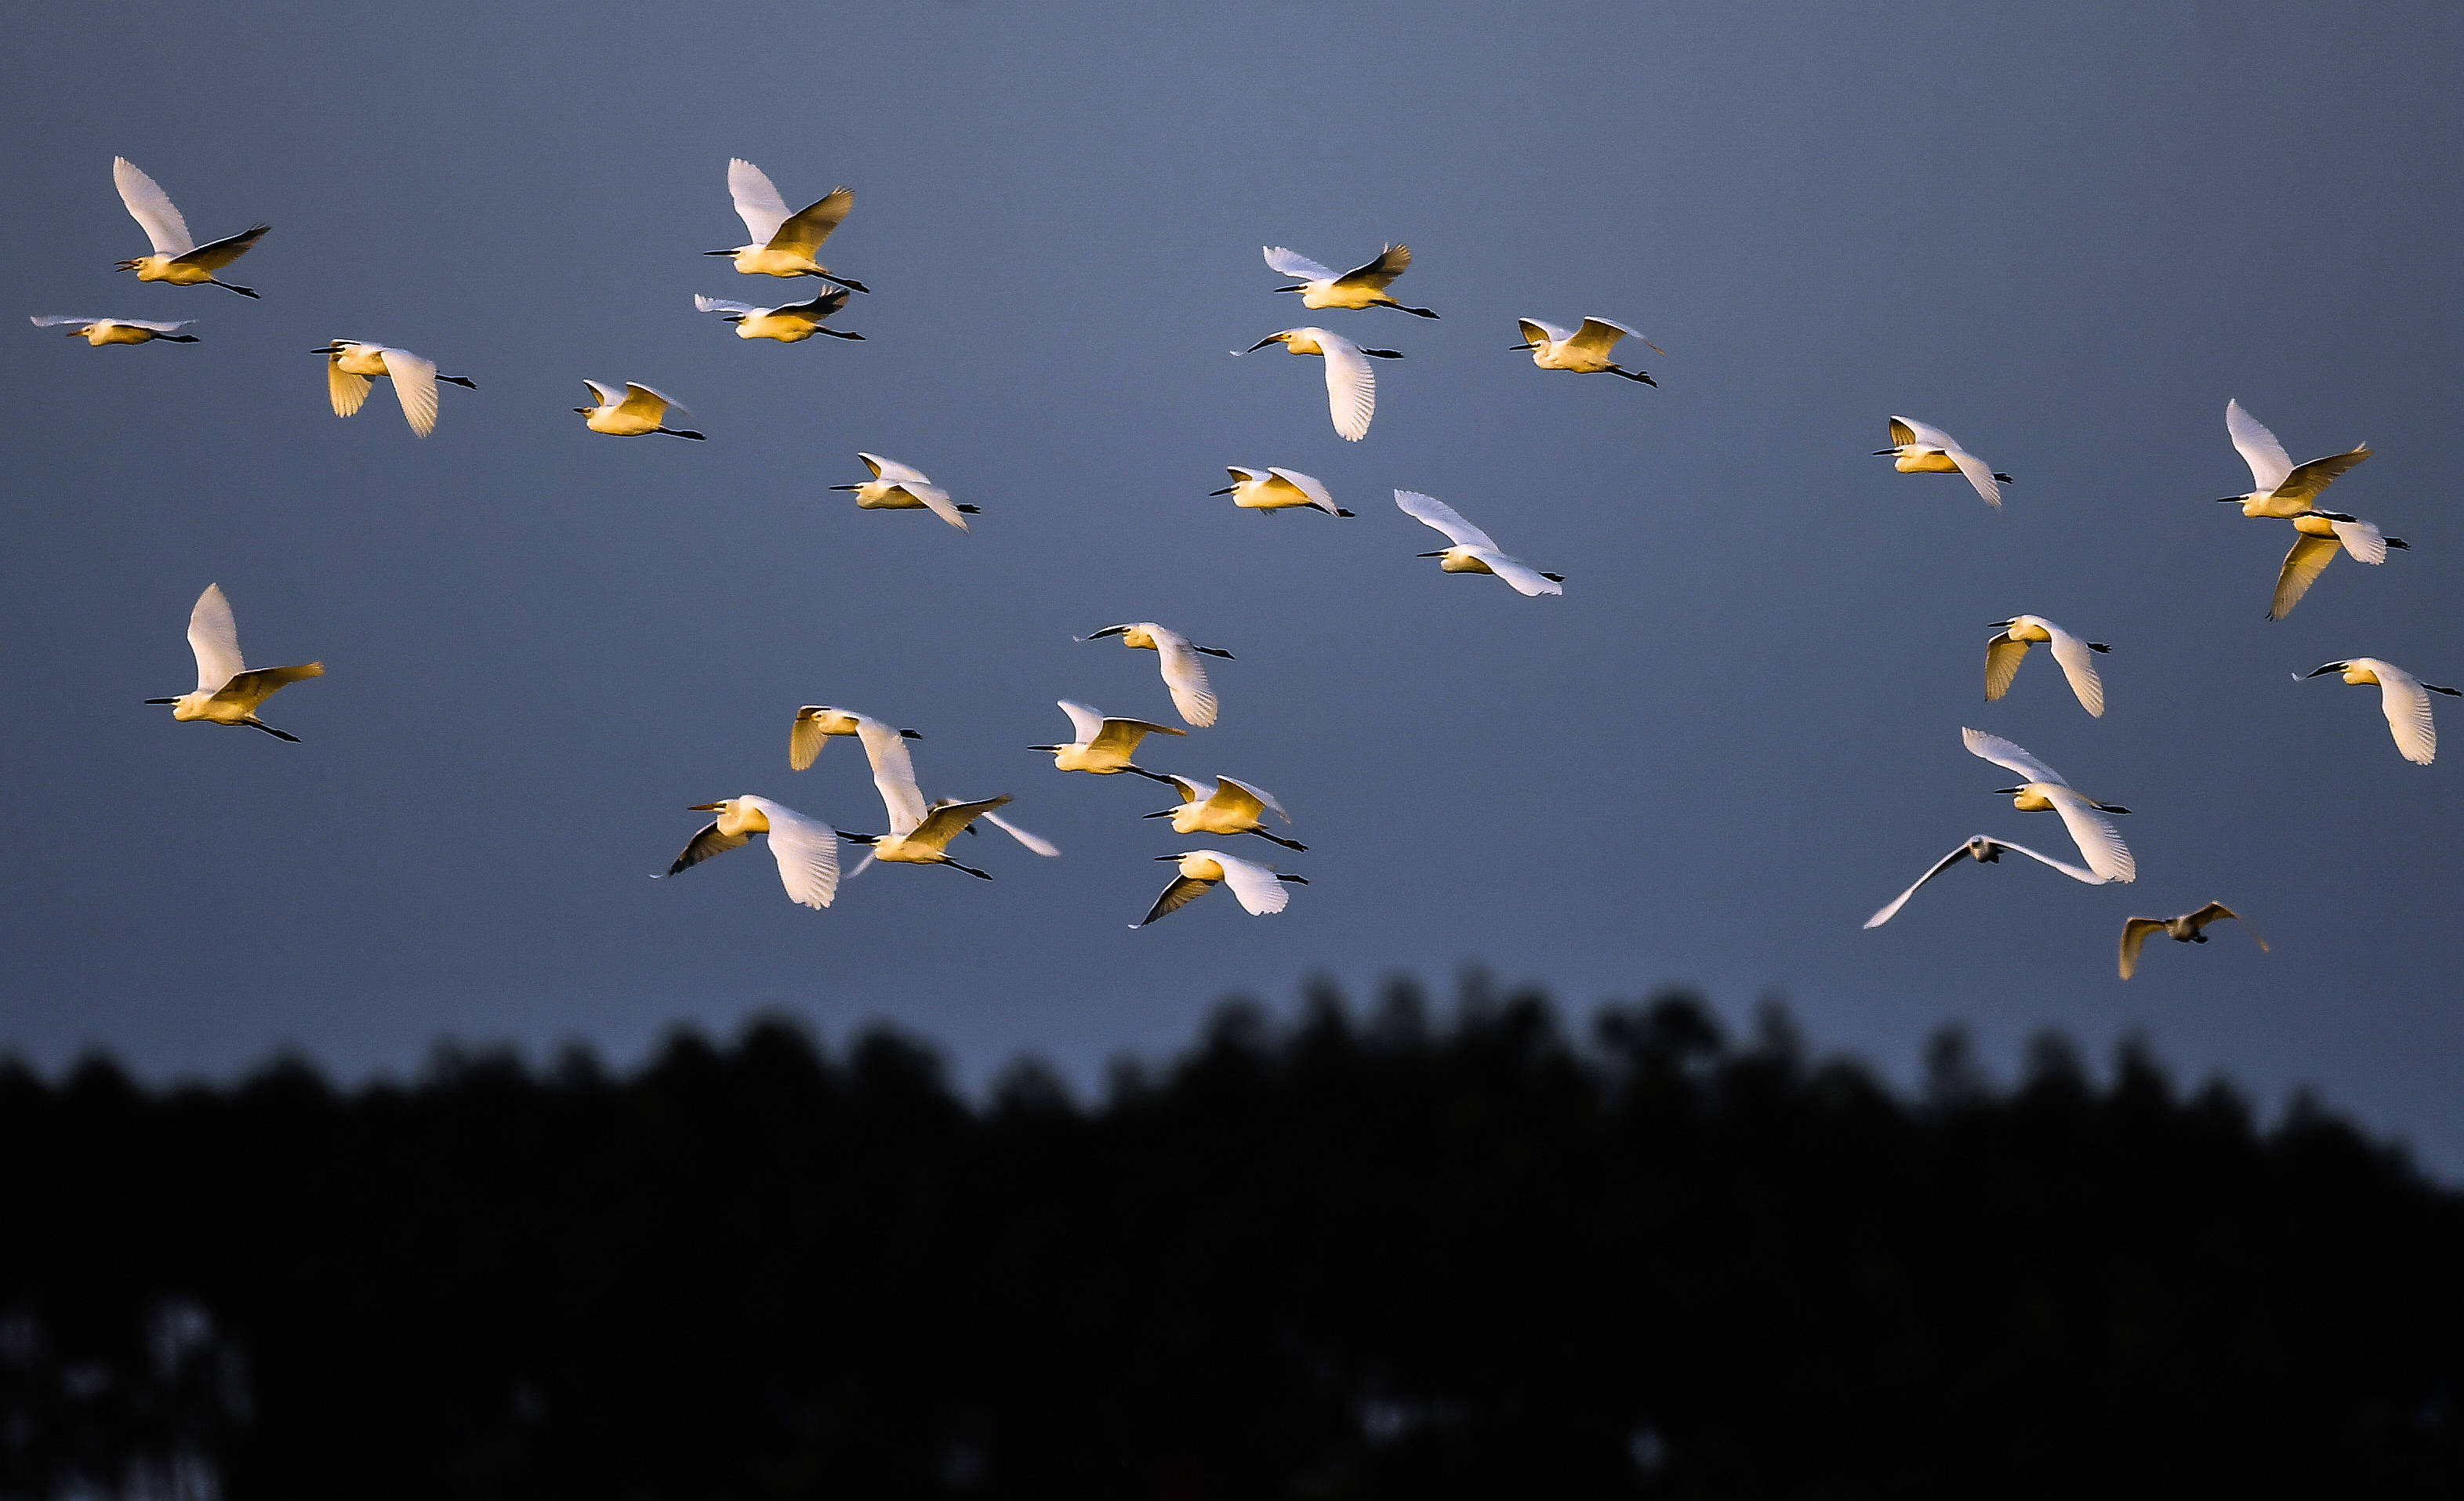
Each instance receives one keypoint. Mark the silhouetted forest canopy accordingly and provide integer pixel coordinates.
(1354, 1255)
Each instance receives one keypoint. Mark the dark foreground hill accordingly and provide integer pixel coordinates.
(1349, 1259)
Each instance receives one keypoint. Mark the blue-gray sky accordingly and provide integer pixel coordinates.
(2067, 236)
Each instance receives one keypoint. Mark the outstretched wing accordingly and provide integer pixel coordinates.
(1526, 579)
(259, 683)
(2003, 754)
(2307, 480)
(807, 852)
(1248, 800)
(702, 304)
(1292, 262)
(1431, 511)
(892, 470)
(819, 307)
(640, 402)
(152, 209)
(1308, 484)
(1599, 335)
(1121, 736)
(804, 230)
(1254, 884)
(55, 319)
(2084, 877)
(2078, 665)
(347, 392)
(705, 844)
(1035, 843)
(2095, 836)
(2366, 543)
(2302, 566)
(942, 823)
(414, 386)
(1535, 332)
(1389, 263)
(1086, 723)
(1180, 893)
(1905, 431)
(2002, 659)
(805, 741)
(213, 635)
(216, 254)
(937, 501)
(605, 395)
(2407, 703)
(2134, 936)
(756, 199)
(1185, 675)
(2215, 910)
(2269, 463)
(893, 773)
(1351, 386)
(1979, 474)
(1902, 434)
(1892, 911)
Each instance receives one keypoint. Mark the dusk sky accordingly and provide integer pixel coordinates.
(2067, 237)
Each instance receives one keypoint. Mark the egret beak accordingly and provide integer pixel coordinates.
(1225, 491)
(1167, 857)
(1440, 554)
(330, 349)
(1053, 748)
(706, 807)
(2228, 500)
(2333, 666)
(718, 253)
(847, 487)
(2006, 792)
(1999, 625)
(126, 265)
(1518, 349)
(1260, 344)
(585, 411)
(1884, 453)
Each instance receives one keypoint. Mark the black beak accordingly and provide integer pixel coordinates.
(1258, 345)
(1884, 453)
(2228, 500)
(2006, 792)
(718, 253)
(1225, 491)
(1044, 748)
(1167, 857)
(2333, 666)
(847, 487)
(1440, 554)
(585, 411)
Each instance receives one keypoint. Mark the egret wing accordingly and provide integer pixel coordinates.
(2084, 877)
(213, 635)
(816, 309)
(937, 501)
(1907, 430)
(2307, 480)
(607, 394)
(1892, 911)
(2003, 754)
(1979, 474)
(259, 683)
(1351, 386)
(1525, 579)
(2078, 665)
(2366, 543)
(347, 392)
(1388, 264)
(219, 253)
(893, 773)
(1254, 884)
(804, 230)
(806, 740)
(1256, 798)
(2269, 463)
(1121, 736)
(1308, 484)
(1431, 511)
(1535, 332)
(1902, 434)
(1599, 335)
(414, 386)
(892, 470)
(2095, 836)
(55, 319)
(2302, 565)
(702, 304)
(705, 844)
(159, 328)
(1292, 262)
(2134, 936)
(640, 401)
(2407, 703)
(2002, 659)
(1035, 843)
(807, 852)
(2217, 909)
(1190, 788)
(1180, 893)
(756, 199)
(1085, 722)
(943, 822)
(1185, 674)
(152, 209)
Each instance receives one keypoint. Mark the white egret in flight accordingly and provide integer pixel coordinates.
(900, 486)
(2005, 650)
(1923, 449)
(921, 835)
(99, 332)
(1223, 806)
(790, 323)
(2317, 537)
(1104, 746)
(893, 770)
(1985, 852)
(2099, 842)
(2403, 697)
(1259, 888)
(178, 258)
(782, 244)
(2280, 487)
(1270, 490)
(351, 366)
(806, 850)
(2183, 930)
(1584, 350)
(636, 411)
(1350, 384)
(227, 692)
(1474, 551)
(1182, 672)
(1363, 287)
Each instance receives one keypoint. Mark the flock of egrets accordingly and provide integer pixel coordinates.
(784, 244)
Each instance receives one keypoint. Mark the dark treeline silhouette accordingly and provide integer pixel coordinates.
(1346, 1257)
